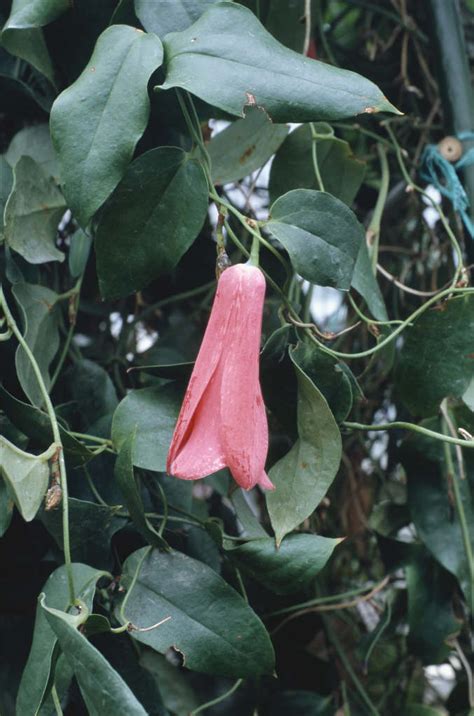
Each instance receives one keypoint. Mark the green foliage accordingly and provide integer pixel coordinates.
(145, 145)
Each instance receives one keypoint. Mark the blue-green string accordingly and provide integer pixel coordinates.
(443, 175)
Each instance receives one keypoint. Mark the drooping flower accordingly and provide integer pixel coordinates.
(222, 422)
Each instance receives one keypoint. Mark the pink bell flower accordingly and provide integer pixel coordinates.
(222, 422)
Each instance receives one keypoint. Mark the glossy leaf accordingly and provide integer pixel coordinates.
(152, 413)
(79, 252)
(365, 283)
(36, 424)
(321, 235)
(172, 16)
(92, 527)
(289, 568)
(33, 212)
(22, 35)
(97, 121)
(244, 146)
(26, 476)
(303, 476)
(176, 691)
(6, 184)
(228, 59)
(40, 330)
(342, 173)
(34, 142)
(430, 609)
(6, 508)
(102, 688)
(433, 512)
(426, 374)
(92, 390)
(144, 230)
(211, 625)
(328, 376)
(37, 672)
(133, 501)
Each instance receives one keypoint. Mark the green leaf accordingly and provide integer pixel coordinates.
(79, 253)
(176, 692)
(40, 321)
(430, 609)
(152, 413)
(97, 121)
(432, 510)
(284, 21)
(6, 184)
(303, 476)
(6, 508)
(211, 625)
(92, 390)
(34, 142)
(251, 526)
(341, 173)
(144, 230)
(22, 35)
(365, 283)
(33, 212)
(164, 17)
(245, 146)
(26, 476)
(321, 235)
(133, 501)
(37, 672)
(92, 527)
(228, 59)
(328, 375)
(436, 360)
(423, 710)
(103, 689)
(36, 425)
(300, 703)
(289, 568)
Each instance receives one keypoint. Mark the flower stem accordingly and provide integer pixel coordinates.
(56, 437)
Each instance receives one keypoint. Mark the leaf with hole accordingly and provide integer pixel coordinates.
(211, 625)
(97, 121)
(228, 59)
(144, 231)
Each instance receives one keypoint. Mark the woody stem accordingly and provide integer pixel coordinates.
(56, 438)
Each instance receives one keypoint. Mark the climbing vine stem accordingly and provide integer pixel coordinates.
(56, 438)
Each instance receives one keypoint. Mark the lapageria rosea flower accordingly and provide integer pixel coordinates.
(222, 422)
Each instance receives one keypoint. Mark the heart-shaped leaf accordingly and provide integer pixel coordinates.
(97, 121)
(144, 231)
(228, 59)
(321, 235)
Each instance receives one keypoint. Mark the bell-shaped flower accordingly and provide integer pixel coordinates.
(222, 422)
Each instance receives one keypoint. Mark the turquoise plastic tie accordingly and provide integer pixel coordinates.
(436, 170)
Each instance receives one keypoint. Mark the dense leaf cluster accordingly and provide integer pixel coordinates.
(135, 140)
